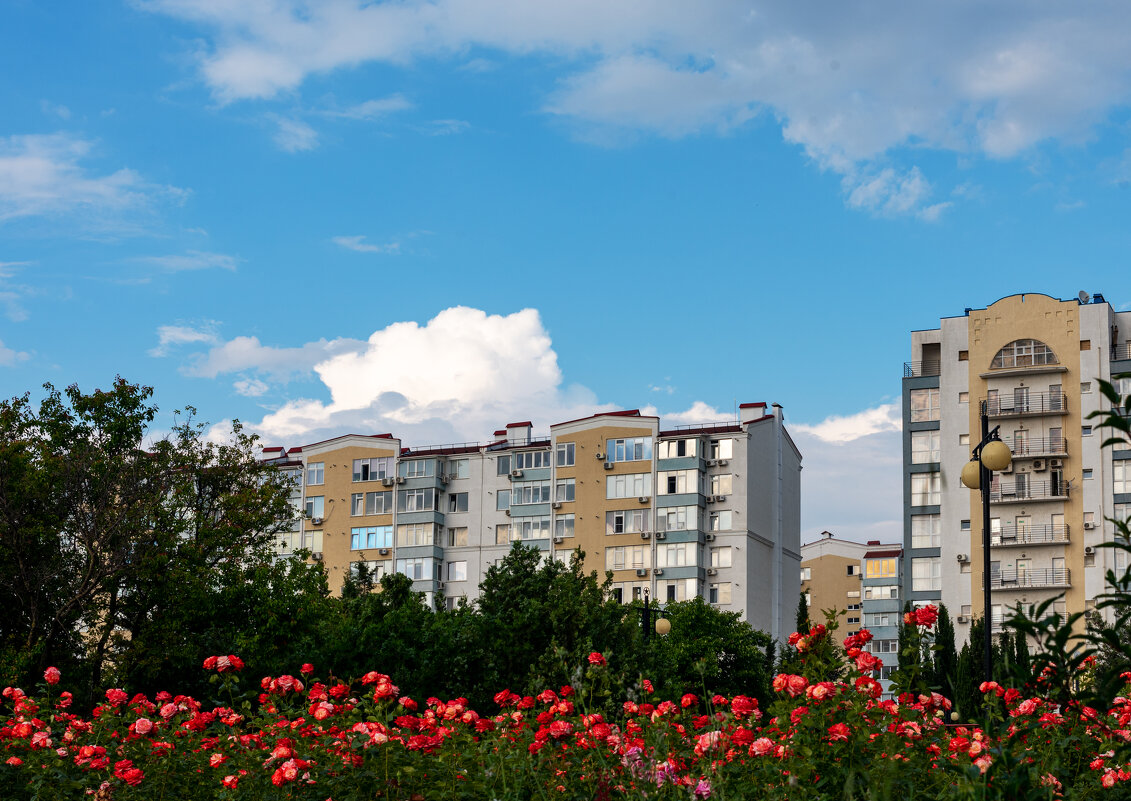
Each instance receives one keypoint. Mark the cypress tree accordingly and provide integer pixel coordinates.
(946, 655)
(803, 623)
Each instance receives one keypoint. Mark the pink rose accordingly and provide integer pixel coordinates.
(52, 675)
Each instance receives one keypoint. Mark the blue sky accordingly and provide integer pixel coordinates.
(433, 218)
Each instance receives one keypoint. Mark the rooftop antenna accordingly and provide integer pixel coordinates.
(1084, 296)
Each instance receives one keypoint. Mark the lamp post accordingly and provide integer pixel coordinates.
(989, 456)
(661, 626)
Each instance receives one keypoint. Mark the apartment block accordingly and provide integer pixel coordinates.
(709, 510)
(1033, 362)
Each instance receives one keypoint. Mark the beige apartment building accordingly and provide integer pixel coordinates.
(831, 572)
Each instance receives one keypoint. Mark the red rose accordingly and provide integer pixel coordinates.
(52, 675)
(596, 658)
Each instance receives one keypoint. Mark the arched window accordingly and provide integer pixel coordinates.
(1024, 353)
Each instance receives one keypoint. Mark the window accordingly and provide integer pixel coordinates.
(316, 506)
(963, 397)
(372, 469)
(853, 621)
(409, 534)
(964, 439)
(503, 500)
(964, 525)
(925, 447)
(721, 449)
(564, 489)
(371, 503)
(721, 485)
(853, 570)
(563, 525)
(459, 468)
(374, 569)
(676, 590)
(806, 572)
(635, 449)
(292, 476)
(926, 489)
(881, 592)
(963, 355)
(291, 541)
(926, 531)
(881, 619)
(630, 485)
(851, 594)
(677, 518)
(525, 492)
(720, 557)
(457, 501)
(503, 534)
(1087, 473)
(879, 568)
(417, 468)
(719, 593)
(416, 500)
(926, 574)
(531, 528)
(628, 557)
(530, 460)
(674, 482)
(316, 473)
(566, 453)
(1121, 476)
(371, 537)
(924, 405)
(1024, 353)
(885, 646)
(679, 554)
(1120, 511)
(457, 537)
(457, 571)
(418, 569)
(503, 465)
(1086, 431)
(1085, 387)
(721, 521)
(675, 448)
(628, 521)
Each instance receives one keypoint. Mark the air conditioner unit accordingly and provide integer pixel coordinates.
(1056, 464)
(400, 479)
(516, 474)
(508, 513)
(644, 535)
(1089, 526)
(659, 571)
(711, 462)
(721, 498)
(388, 482)
(723, 462)
(556, 505)
(317, 521)
(962, 619)
(642, 572)
(316, 556)
(710, 499)
(608, 465)
(710, 538)
(599, 455)
(445, 478)
(644, 499)
(384, 551)
(440, 586)
(712, 571)
(558, 540)
(660, 535)
(1089, 550)
(1039, 465)
(963, 557)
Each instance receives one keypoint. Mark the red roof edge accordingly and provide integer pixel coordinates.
(524, 423)
(761, 404)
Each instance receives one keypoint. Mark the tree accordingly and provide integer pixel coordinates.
(945, 654)
(803, 624)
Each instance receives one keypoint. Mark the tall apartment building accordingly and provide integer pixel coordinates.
(710, 511)
(1034, 362)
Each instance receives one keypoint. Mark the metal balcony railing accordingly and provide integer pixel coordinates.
(1028, 579)
(1023, 490)
(919, 369)
(1119, 352)
(1037, 446)
(1030, 535)
(1017, 405)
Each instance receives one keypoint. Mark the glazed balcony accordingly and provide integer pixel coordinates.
(1027, 405)
(1029, 535)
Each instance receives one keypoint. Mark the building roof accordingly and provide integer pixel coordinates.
(884, 553)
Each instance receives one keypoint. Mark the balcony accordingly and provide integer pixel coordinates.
(1029, 535)
(1030, 579)
(1028, 447)
(1022, 490)
(1120, 352)
(1027, 404)
(920, 369)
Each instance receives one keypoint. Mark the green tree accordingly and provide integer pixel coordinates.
(945, 655)
(803, 624)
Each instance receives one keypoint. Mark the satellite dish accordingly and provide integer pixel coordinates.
(1084, 296)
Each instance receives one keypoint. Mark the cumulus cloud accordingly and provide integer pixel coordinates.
(10, 357)
(358, 244)
(848, 85)
(843, 430)
(46, 174)
(251, 387)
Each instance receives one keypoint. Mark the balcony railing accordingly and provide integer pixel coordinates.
(1017, 490)
(919, 369)
(1028, 579)
(1119, 352)
(1037, 446)
(1030, 535)
(1013, 405)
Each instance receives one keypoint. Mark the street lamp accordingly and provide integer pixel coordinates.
(989, 456)
(662, 625)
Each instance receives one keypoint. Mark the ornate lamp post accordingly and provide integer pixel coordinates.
(990, 455)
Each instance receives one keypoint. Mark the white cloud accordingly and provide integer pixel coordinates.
(57, 110)
(171, 336)
(358, 243)
(293, 136)
(248, 353)
(251, 387)
(192, 260)
(10, 357)
(372, 109)
(46, 175)
(842, 430)
(12, 294)
(446, 127)
(699, 412)
(849, 85)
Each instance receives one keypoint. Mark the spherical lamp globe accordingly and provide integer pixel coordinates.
(972, 475)
(996, 455)
(663, 626)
